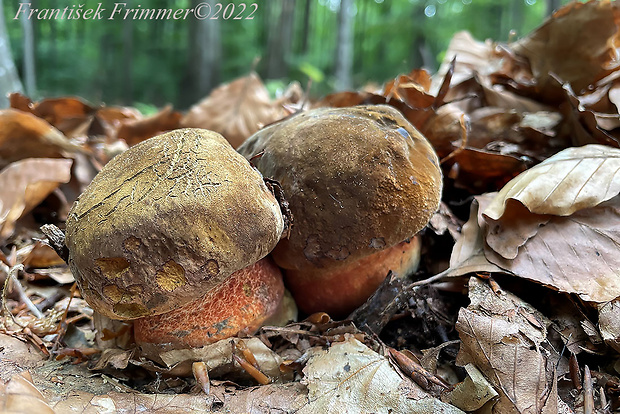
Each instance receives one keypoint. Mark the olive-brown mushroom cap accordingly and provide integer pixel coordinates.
(165, 221)
(358, 180)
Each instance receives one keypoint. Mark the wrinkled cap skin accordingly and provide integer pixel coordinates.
(358, 180)
(167, 220)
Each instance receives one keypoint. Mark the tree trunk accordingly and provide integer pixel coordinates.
(280, 40)
(9, 81)
(305, 35)
(128, 62)
(29, 60)
(204, 58)
(344, 50)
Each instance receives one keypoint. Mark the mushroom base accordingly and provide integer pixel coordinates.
(241, 304)
(339, 291)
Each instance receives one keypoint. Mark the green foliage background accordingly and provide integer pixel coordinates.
(123, 62)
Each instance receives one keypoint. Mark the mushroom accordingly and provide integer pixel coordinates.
(168, 221)
(361, 182)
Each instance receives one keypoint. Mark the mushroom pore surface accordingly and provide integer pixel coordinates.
(167, 220)
(358, 180)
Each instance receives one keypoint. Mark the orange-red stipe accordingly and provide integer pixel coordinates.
(240, 304)
(338, 291)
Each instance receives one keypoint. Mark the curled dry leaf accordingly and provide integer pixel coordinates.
(239, 108)
(25, 184)
(134, 131)
(580, 57)
(23, 135)
(473, 393)
(349, 374)
(571, 180)
(498, 339)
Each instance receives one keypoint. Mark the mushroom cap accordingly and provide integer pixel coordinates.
(165, 221)
(358, 180)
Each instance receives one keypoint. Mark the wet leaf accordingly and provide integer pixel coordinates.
(25, 184)
(238, 109)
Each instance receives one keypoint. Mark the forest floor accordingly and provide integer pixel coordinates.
(514, 308)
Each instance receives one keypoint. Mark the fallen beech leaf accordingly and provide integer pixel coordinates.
(25, 184)
(497, 338)
(23, 135)
(66, 114)
(574, 254)
(580, 57)
(138, 130)
(571, 180)
(238, 109)
(349, 374)
(468, 251)
(20, 395)
(412, 89)
(16, 356)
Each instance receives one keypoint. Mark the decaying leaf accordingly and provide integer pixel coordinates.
(349, 374)
(238, 109)
(498, 338)
(25, 184)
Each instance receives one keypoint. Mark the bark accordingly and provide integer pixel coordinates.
(280, 40)
(29, 59)
(9, 80)
(344, 50)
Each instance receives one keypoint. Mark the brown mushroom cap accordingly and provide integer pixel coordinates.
(167, 220)
(358, 180)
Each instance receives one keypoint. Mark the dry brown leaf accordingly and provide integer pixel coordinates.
(412, 89)
(16, 356)
(23, 135)
(239, 108)
(468, 251)
(574, 254)
(497, 337)
(473, 393)
(25, 184)
(67, 114)
(578, 56)
(350, 375)
(20, 395)
(571, 180)
(138, 130)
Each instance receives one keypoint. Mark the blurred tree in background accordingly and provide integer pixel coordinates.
(335, 43)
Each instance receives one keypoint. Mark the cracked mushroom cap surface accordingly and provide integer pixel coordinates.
(167, 220)
(358, 180)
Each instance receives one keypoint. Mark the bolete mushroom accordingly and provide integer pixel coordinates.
(168, 221)
(361, 182)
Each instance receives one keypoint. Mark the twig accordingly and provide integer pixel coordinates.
(20, 291)
(588, 395)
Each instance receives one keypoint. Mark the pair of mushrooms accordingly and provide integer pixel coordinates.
(175, 232)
